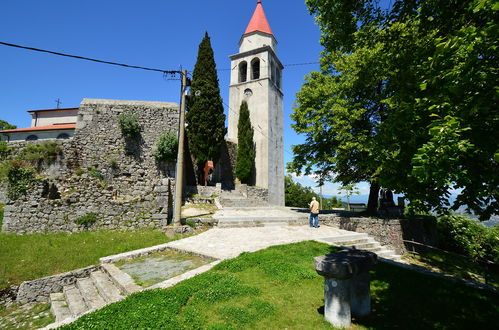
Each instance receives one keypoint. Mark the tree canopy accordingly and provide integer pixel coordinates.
(5, 125)
(205, 116)
(407, 99)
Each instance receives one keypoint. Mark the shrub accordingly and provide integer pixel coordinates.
(36, 153)
(86, 220)
(20, 177)
(4, 149)
(129, 125)
(1, 215)
(166, 147)
(466, 236)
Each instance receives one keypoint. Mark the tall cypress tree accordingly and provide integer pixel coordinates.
(245, 146)
(205, 116)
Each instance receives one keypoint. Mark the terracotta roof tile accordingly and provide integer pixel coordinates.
(259, 21)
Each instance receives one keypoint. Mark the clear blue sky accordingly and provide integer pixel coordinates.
(151, 33)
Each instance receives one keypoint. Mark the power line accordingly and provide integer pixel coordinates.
(121, 64)
(88, 58)
(255, 128)
(136, 67)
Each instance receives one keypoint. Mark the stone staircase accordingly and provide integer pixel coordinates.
(242, 202)
(102, 287)
(361, 241)
(258, 216)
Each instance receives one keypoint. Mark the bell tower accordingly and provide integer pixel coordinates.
(256, 79)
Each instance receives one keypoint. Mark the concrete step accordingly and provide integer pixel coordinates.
(121, 279)
(362, 245)
(228, 222)
(74, 299)
(353, 242)
(242, 202)
(345, 238)
(90, 293)
(58, 306)
(106, 288)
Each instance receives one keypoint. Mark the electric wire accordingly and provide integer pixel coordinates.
(120, 64)
(88, 58)
(141, 68)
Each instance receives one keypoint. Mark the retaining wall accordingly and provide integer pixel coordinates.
(391, 232)
(101, 171)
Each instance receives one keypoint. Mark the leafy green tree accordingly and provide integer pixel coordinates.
(245, 146)
(297, 195)
(405, 99)
(5, 125)
(205, 116)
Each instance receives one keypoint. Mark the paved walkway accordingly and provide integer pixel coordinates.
(224, 243)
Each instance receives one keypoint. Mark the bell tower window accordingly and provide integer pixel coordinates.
(243, 71)
(255, 68)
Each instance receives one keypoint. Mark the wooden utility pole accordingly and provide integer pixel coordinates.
(179, 175)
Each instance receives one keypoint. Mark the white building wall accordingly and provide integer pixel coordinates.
(257, 40)
(43, 135)
(51, 117)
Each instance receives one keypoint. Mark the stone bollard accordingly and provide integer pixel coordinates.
(346, 284)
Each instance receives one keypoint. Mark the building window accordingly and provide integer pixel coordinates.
(255, 68)
(63, 136)
(243, 71)
(32, 138)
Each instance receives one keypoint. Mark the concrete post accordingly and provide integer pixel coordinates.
(337, 302)
(346, 284)
(179, 175)
(360, 299)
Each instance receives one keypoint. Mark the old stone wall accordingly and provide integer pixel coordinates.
(39, 290)
(100, 171)
(396, 233)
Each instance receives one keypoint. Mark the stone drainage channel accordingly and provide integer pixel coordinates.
(113, 281)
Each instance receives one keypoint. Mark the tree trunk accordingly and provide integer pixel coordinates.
(372, 204)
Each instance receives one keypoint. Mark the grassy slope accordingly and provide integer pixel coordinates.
(461, 267)
(26, 257)
(277, 288)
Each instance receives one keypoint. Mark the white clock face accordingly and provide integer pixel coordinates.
(248, 92)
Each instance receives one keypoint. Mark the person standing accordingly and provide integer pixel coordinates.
(314, 213)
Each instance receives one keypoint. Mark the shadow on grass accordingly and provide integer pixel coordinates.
(409, 300)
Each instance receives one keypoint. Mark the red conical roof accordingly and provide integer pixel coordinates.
(259, 21)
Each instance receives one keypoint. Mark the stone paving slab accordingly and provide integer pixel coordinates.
(226, 243)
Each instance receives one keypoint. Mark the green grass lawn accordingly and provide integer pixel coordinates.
(455, 265)
(27, 257)
(278, 288)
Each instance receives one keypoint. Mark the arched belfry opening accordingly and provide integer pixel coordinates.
(255, 68)
(243, 71)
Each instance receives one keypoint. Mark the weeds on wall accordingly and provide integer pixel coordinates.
(20, 177)
(129, 125)
(166, 147)
(38, 153)
(95, 173)
(86, 220)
